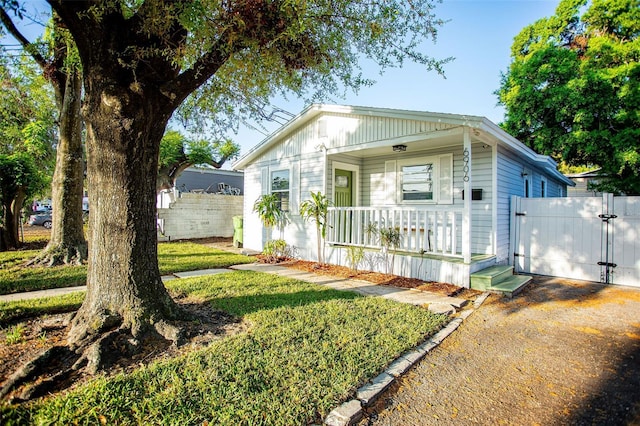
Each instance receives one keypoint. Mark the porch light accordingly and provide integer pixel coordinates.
(399, 148)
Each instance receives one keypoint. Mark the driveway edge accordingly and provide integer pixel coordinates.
(350, 412)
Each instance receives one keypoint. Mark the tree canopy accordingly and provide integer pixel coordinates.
(573, 88)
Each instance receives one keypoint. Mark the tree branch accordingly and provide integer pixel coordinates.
(26, 44)
(207, 65)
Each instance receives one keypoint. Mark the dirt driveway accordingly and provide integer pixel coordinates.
(562, 352)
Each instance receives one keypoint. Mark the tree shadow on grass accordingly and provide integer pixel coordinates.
(243, 305)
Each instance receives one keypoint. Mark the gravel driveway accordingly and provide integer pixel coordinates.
(562, 352)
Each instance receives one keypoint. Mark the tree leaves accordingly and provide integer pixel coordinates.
(572, 89)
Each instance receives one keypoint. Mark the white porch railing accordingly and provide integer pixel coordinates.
(422, 230)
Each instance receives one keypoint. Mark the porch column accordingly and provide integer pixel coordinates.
(466, 209)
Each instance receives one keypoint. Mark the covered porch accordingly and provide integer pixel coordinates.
(420, 230)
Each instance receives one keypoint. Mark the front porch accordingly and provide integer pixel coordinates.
(426, 242)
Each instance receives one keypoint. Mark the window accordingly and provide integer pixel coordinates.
(421, 180)
(417, 182)
(543, 187)
(280, 184)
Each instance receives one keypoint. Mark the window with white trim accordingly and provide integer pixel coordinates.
(426, 180)
(417, 182)
(280, 186)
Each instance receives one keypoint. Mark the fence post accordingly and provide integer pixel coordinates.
(514, 240)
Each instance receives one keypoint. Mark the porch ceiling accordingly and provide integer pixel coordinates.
(414, 143)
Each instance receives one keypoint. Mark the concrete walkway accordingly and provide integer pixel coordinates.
(436, 303)
(66, 290)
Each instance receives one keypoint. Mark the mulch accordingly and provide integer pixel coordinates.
(445, 289)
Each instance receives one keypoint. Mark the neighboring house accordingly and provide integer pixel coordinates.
(194, 179)
(202, 204)
(409, 170)
(582, 182)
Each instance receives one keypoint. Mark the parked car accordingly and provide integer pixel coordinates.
(41, 218)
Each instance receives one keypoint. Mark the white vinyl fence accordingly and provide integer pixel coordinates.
(588, 238)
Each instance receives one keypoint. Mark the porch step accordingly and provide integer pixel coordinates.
(491, 276)
(499, 279)
(512, 285)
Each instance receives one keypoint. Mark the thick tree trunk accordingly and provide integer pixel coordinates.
(124, 290)
(67, 244)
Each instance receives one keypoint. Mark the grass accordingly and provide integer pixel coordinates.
(15, 334)
(11, 312)
(172, 257)
(308, 348)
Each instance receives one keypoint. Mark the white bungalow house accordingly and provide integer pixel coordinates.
(443, 180)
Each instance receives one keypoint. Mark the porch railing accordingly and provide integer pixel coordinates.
(422, 230)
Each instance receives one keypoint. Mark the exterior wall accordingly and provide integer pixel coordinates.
(582, 187)
(306, 174)
(482, 210)
(511, 182)
(199, 216)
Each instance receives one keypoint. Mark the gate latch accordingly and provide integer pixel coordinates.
(606, 217)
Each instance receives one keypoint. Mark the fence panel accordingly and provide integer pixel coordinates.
(578, 237)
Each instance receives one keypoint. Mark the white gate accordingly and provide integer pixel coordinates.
(587, 238)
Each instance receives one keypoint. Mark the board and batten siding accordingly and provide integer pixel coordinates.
(344, 130)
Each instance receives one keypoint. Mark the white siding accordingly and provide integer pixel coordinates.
(510, 182)
(350, 130)
(481, 216)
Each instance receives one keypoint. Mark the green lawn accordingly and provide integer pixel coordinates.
(172, 257)
(307, 349)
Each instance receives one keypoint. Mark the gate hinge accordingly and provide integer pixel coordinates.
(612, 265)
(606, 217)
(520, 214)
(518, 255)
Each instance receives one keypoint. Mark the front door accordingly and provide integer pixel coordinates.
(344, 188)
(344, 198)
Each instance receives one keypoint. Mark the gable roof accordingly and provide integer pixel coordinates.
(476, 122)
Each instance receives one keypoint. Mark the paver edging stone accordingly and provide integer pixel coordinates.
(350, 412)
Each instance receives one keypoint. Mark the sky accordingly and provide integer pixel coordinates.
(478, 34)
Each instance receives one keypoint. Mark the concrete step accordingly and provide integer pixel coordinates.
(486, 278)
(511, 286)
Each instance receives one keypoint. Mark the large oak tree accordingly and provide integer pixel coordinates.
(573, 88)
(142, 58)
